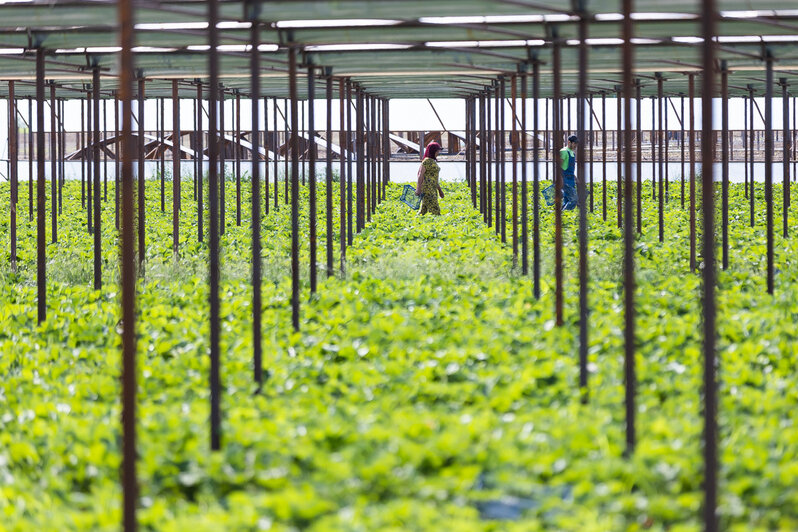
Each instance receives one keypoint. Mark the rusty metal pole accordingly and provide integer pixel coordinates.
(266, 177)
(12, 171)
(117, 159)
(160, 119)
(105, 149)
(604, 157)
(276, 149)
(252, 8)
(350, 150)
(514, 147)
(661, 159)
(342, 173)
(98, 273)
(629, 236)
(54, 171)
(237, 159)
(503, 153)
(222, 163)
(127, 268)
(708, 25)
(558, 180)
(769, 164)
(745, 142)
(328, 189)
(654, 140)
(483, 206)
(524, 188)
(752, 187)
(667, 148)
(294, 188)
(200, 176)
(724, 138)
(32, 152)
(785, 121)
(386, 146)
(60, 157)
(175, 169)
(194, 144)
(536, 178)
(360, 163)
(312, 178)
(367, 156)
(584, 309)
(89, 164)
(489, 155)
(499, 144)
(639, 156)
(141, 197)
(213, 222)
(590, 160)
(287, 146)
(681, 140)
(41, 263)
(691, 98)
(619, 187)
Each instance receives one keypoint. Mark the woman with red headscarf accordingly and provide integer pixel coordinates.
(428, 187)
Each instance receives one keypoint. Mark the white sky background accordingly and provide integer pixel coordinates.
(405, 115)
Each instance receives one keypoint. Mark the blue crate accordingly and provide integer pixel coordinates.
(548, 195)
(409, 197)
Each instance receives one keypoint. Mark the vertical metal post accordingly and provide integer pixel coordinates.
(98, 273)
(681, 140)
(724, 136)
(558, 182)
(667, 148)
(745, 141)
(328, 189)
(142, 248)
(708, 25)
(161, 124)
(105, 149)
(350, 151)
(32, 152)
(294, 188)
(312, 177)
(499, 154)
(367, 155)
(503, 154)
(361, 185)
(769, 163)
(584, 309)
(386, 146)
(619, 188)
(117, 159)
(53, 168)
(488, 145)
(604, 157)
(237, 152)
(175, 169)
(195, 159)
(484, 207)
(342, 170)
(654, 146)
(752, 185)
(12, 171)
(785, 121)
(200, 172)
(267, 194)
(661, 159)
(628, 258)
(536, 178)
(287, 148)
(514, 142)
(276, 149)
(41, 263)
(60, 157)
(89, 158)
(639, 156)
(252, 8)
(127, 268)
(213, 229)
(524, 191)
(590, 134)
(222, 171)
(691, 98)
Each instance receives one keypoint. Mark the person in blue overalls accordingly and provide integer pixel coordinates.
(568, 165)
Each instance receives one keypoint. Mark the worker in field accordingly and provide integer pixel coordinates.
(428, 186)
(568, 165)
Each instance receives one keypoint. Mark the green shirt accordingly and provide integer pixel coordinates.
(564, 157)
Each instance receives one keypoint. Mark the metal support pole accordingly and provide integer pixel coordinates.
(524, 189)
(514, 147)
(691, 98)
(32, 153)
(361, 184)
(661, 159)
(41, 263)
(503, 155)
(639, 155)
(267, 192)
(342, 173)
(536, 178)
(276, 149)
(12, 171)
(213, 229)
(237, 152)
(724, 136)
(294, 188)
(142, 248)
(287, 147)
(558, 183)
(604, 157)
(200, 176)
(117, 160)
(708, 25)
(98, 273)
(328, 189)
(785, 156)
(222, 170)
(584, 309)
(681, 140)
(161, 123)
(619, 188)
(745, 141)
(127, 268)
(253, 10)
(386, 146)
(312, 178)
(54, 170)
(175, 169)
(769, 164)
(628, 258)
(89, 164)
(752, 186)
(350, 151)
